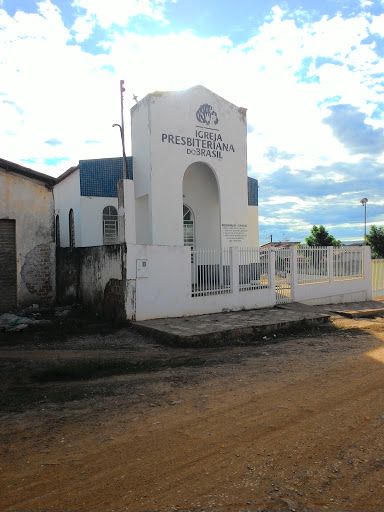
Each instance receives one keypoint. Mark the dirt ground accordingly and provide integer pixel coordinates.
(294, 423)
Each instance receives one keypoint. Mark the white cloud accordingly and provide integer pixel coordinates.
(118, 12)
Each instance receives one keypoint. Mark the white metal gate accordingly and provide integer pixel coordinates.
(283, 266)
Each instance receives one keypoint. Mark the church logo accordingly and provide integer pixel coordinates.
(206, 115)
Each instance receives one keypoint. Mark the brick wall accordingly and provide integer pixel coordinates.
(38, 273)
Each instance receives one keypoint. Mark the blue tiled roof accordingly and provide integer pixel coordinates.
(99, 177)
(253, 192)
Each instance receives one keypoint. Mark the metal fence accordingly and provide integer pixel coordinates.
(253, 268)
(377, 278)
(312, 264)
(211, 269)
(347, 262)
(211, 272)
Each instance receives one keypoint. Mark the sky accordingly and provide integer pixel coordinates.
(310, 73)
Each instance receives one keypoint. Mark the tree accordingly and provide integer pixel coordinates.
(320, 237)
(375, 239)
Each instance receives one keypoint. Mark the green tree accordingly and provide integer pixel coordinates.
(375, 239)
(320, 237)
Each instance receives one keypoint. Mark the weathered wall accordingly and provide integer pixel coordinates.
(92, 276)
(30, 203)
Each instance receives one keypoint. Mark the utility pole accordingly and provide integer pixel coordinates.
(121, 126)
(364, 202)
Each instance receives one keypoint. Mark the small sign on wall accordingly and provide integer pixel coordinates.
(141, 268)
(235, 233)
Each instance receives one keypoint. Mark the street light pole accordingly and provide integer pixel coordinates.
(364, 202)
(122, 143)
(121, 126)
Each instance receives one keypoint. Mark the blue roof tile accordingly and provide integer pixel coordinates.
(99, 177)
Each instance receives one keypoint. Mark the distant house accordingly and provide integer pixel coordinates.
(27, 237)
(279, 245)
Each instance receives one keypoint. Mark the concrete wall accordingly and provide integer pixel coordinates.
(168, 136)
(30, 203)
(93, 276)
(164, 288)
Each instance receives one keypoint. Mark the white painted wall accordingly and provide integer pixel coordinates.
(126, 211)
(88, 212)
(201, 194)
(92, 219)
(67, 195)
(162, 126)
(166, 292)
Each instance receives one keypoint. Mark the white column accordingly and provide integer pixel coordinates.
(126, 211)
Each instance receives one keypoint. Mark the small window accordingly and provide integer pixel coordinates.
(71, 229)
(110, 226)
(57, 231)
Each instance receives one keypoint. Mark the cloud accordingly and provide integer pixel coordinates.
(14, 105)
(53, 142)
(273, 154)
(349, 126)
(93, 13)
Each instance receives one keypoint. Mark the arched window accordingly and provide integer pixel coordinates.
(189, 226)
(71, 229)
(57, 231)
(110, 226)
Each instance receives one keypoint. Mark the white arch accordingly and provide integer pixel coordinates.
(201, 193)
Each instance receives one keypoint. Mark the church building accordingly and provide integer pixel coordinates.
(188, 179)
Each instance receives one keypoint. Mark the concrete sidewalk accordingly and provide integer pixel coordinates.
(218, 328)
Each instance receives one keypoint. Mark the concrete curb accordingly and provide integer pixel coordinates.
(249, 334)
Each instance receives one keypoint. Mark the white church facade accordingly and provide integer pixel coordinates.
(189, 152)
(189, 178)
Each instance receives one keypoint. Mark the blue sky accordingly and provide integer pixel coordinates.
(310, 73)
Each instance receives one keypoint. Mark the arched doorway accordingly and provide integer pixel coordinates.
(201, 207)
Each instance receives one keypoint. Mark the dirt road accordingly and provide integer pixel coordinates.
(292, 425)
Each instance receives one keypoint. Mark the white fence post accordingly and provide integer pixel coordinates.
(272, 271)
(367, 269)
(331, 272)
(294, 280)
(235, 262)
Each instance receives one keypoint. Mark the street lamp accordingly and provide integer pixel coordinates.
(364, 202)
(122, 143)
(121, 126)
